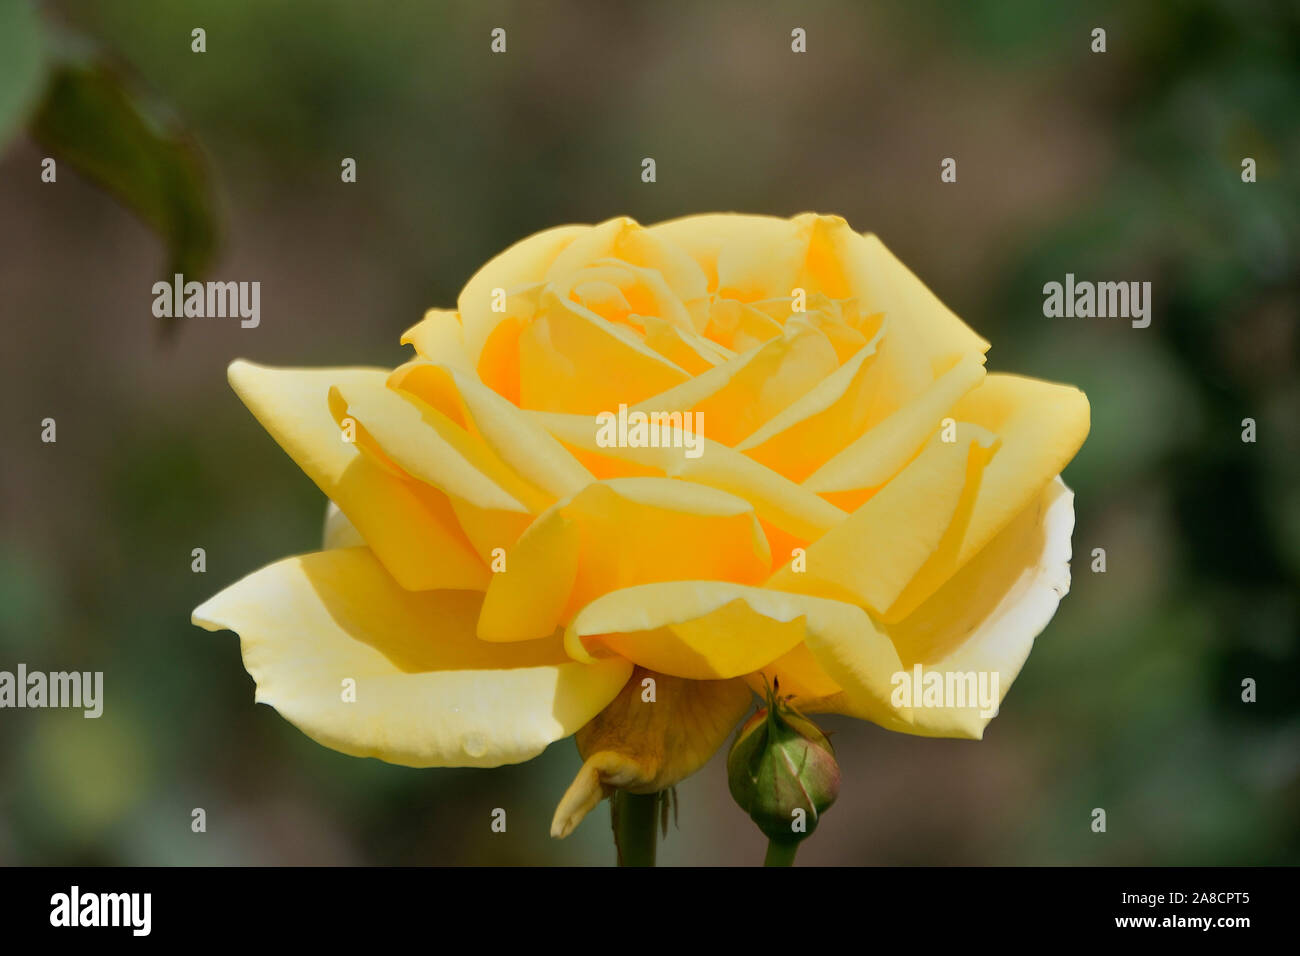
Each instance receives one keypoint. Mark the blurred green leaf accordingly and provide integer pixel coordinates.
(89, 121)
(22, 57)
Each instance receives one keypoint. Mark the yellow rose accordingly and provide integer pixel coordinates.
(831, 492)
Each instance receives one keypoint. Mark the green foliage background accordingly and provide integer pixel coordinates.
(1117, 166)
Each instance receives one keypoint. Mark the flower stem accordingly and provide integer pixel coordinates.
(780, 853)
(635, 817)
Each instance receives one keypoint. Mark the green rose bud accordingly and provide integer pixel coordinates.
(782, 771)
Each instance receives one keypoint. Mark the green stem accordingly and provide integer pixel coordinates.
(635, 817)
(780, 853)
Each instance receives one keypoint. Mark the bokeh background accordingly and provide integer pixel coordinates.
(1123, 165)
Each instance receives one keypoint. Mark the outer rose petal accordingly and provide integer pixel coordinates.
(1039, 427)
(745, 256)
(987, 616)
(439, 337)
(516, 438)
(339, 532)
(882, 283)
(427, 445)
(428, 693)
(1042, 426)
(412, 532)
(523, 264)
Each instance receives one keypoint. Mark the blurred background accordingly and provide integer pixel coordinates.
(1124, 165)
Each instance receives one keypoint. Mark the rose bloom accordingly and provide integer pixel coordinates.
(863, 498)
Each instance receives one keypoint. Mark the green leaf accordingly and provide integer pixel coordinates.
(22, 61)
(89, 121)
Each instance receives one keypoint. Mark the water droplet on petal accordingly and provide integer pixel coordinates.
(474, 745)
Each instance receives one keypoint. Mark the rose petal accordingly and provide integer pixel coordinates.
(739, 396)
(572, 360)
(427, 445)
(339, 532)
(797, 673)
(624, 239)
(881, 283)
(412, 532)
(688, 351)
(513, 435)
(750, 239)
(775, 498)
(985, 618)
(427, 692)
(439, 337)
(1041, 424)
(874, 555)
(705, 630)
(523, 264)
(800, 438)
(615, 534)
(738, 326)
(869, 461)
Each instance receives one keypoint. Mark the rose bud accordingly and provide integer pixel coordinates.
(781, 764)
